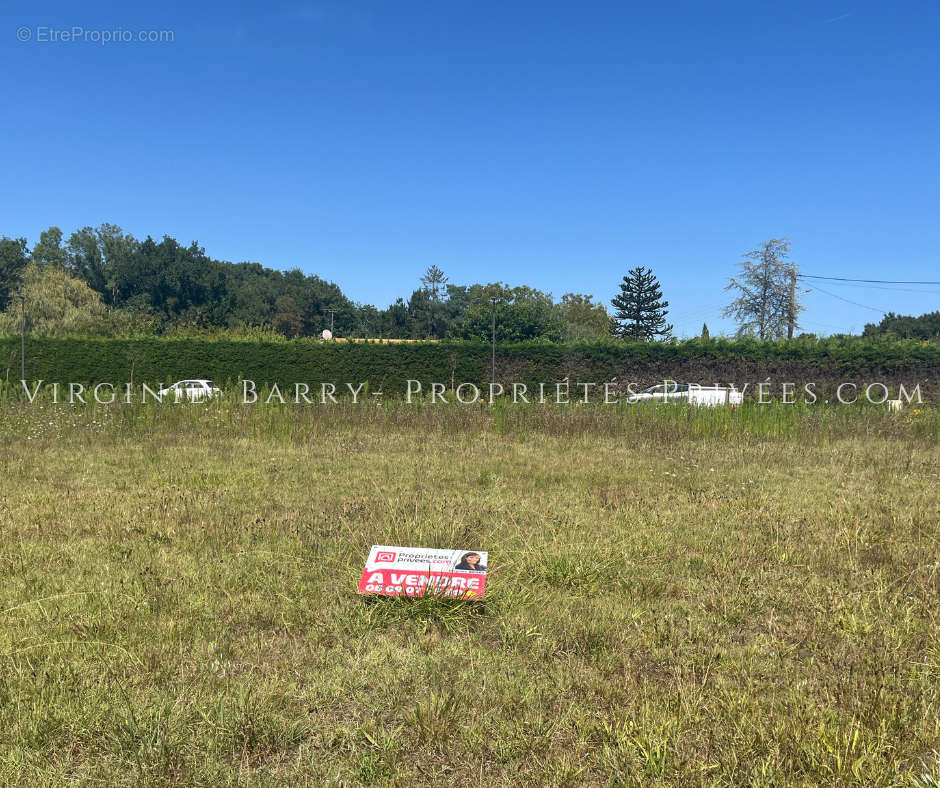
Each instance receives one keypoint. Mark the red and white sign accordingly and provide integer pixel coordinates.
(416, 571)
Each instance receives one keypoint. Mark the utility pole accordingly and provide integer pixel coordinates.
(791, 323)
(493, 311)
(23, 338)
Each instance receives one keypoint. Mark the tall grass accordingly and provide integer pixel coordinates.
(648, 423)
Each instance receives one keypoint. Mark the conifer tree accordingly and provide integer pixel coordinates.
(767, 306)
(433, 282)
(641, 312)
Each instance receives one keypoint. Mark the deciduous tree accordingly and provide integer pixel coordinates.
(522, 313)
(582, 318)
(56, 304)
(49, 250)
(287, 317)
(13, 258)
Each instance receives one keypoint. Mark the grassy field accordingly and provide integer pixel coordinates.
(675, 597)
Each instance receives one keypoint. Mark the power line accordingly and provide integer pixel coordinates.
(889, 289)
(870, 281)
(854, 303)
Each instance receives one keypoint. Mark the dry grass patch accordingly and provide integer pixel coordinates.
(667, 605)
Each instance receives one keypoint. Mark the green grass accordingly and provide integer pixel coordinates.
(675, 597)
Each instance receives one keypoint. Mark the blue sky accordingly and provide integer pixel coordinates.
(549, 144)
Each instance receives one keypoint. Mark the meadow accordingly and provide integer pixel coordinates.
(676, 597)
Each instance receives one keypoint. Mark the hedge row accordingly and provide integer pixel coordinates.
(386, 367)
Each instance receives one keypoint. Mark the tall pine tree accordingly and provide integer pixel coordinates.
(641, 312)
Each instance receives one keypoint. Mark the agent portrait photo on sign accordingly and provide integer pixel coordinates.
(470, 562)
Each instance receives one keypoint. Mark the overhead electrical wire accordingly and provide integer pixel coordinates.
(866, 284)
(889, 289)
(689, 316)
(854, 303)
(869, 281)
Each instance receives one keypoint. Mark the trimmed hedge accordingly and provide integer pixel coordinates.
(387, 367)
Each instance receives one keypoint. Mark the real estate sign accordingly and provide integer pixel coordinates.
(416, 571)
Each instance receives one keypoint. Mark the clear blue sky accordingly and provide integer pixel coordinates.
(550, 144)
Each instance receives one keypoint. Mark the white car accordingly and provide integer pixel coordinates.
(672, 391)
(191, 391)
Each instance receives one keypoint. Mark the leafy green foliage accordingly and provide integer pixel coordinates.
(180, 285)
(287, 318)
(582, 318)
(387, 367)
(58, 305)
(167, 288)
(49, 250)
(521, 314)
(927, 326)
(13, 257)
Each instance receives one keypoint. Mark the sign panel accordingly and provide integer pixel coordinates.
(416, 571)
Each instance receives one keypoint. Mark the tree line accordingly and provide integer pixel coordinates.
(103, 281)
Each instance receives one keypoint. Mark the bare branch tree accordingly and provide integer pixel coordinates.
(767, 305)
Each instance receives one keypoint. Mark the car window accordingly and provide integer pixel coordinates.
(654, 390)
(682, 387)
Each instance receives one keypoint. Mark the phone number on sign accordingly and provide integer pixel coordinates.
(373, 588)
